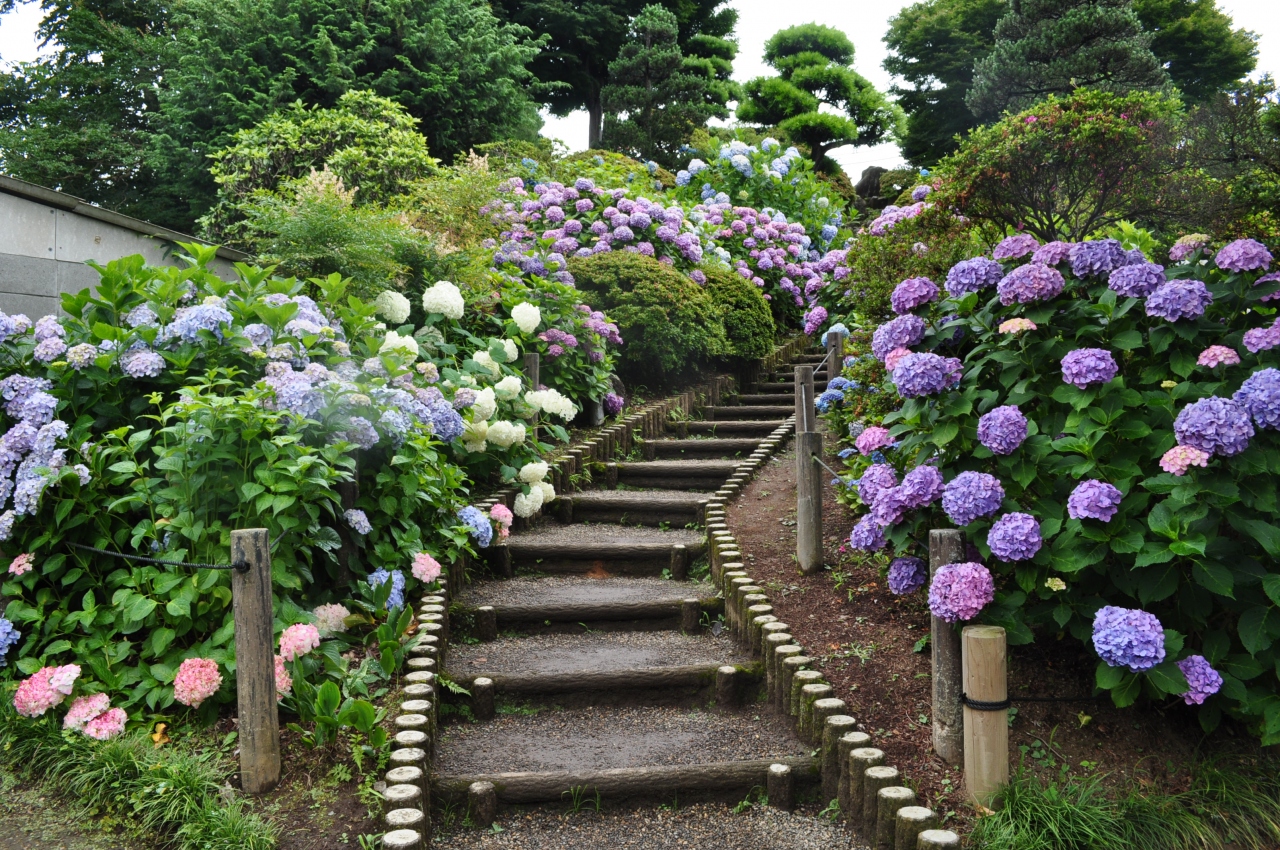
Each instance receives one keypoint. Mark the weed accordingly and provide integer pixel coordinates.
(920, 645)
(517, 709)
(578, 798)
(832, 811)
(755, 795)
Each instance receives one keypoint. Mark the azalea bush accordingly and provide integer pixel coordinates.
(1103, 430)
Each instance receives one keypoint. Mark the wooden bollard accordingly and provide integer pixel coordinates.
(823, 707)
(810, 694)
(873, 780)
(808, 502)
(482, 698)
(946, 547)
(912, 820)
(690, 616)
(403, 796)
(409, 738)
(849, 742)
(257, 712)
(482, 800)
(486, 623)
(727, 686)
(806, 415)
(835, 728)
(938, 839)
(679, 562)
(771, 643)
(799, 681)
(781, 787)
(402, 839)
(986, 733)
(889, 802)
(861, 760)
(780, 655)
(412, 819)
(790, 668)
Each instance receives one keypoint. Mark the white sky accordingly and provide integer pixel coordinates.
(864, 21)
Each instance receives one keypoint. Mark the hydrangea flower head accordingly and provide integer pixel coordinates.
(392, 306)
(912, 293)
(478, 525)
(922, 486)
(1029, 283)
(1052, 253)
(1094, 499)
(358, 521)
(973, 275)
(21, 564)
(890, 507)
(444, 298)
(83, 709)
(1187, 245)
(1216, 425)
(1218, 355)
(1096, 257)
(526, 316)
(197, 679)
(1243, 255)
(1181, 458)
(331, 619)
(876, 478)
(921, 374)
(1262, 339)
(1015, 537)
(8, 637)
(893, 358)
(1002, 429)
(1179, 299)
(284, 682)
(1202, 680)
(906, 575)
(1136, 281)
(1013, 247)
(1016, 326)
(297, 640)
(960, 591)
(1260, 396)
(971, 495)
(867, 536)
(613, 404)
(1128, 637)
(873, 438)
(379, 577)
(426, 569)
(1086, 366)
(107, 725)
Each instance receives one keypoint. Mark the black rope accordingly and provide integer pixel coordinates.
(980, 705)
(241, 567)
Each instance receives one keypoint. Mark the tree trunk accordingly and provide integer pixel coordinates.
(595, 117)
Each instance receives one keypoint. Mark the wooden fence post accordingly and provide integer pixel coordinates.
(986, 732)
(808, 502)
(946, 547)
(835, 355)
(258, 716)
(806, 417)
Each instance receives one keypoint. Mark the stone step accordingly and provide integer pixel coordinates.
(741, 412)
(676, 474)
(605, 549)
(690, 449)
(601, 602)
(777, 389)
(634, 507)
(759, 427)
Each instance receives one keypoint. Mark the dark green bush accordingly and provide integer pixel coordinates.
(748, 322)
(669, 324)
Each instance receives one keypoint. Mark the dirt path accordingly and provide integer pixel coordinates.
(30, 820)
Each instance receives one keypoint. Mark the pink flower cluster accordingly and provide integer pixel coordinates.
(502, 515)
(1180, 458)
(873, 438)
(284, 682)
(21, 564)
(893, 358)
(93, 717)
(426, 569)
(197, 680)
(1218, 355)
(298, 640)
(1016, 326)
(46, 688)
(331, 619)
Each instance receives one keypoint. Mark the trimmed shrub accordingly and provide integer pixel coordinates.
(748, 323)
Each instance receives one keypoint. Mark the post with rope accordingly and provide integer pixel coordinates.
(986, 712)
(946, 547)
(835, 355)
(258, 716)
(808, 479)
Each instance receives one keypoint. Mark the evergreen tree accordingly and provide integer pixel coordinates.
(652, 102)
(814, 64)
(1195, 42)
(1045, 47)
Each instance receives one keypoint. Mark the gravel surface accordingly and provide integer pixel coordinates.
(552, 654)
(605, 533)
(563, 590)
(601, 739)
(703, 826)
(641, 496)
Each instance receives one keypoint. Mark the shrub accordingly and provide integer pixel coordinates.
(670, 324)
(748, 324)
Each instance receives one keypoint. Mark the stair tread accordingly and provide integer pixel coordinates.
(592, 652)
(569, 591)
(591, 535)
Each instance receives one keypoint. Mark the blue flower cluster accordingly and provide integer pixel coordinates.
(379, 577)
(478, 525)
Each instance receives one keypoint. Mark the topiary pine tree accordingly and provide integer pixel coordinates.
(814, 64)
(652, 103)
(1046, 47)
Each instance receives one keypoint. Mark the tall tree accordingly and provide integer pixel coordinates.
(1045, 47)
(815, 70)
(652, 103)
(585, 36)
(932, 46)
(1195, 41)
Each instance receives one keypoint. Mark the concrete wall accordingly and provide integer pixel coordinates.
(45, 242)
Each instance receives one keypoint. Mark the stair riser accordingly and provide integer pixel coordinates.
(749, 412)
(760, 428)
(651, 517)
(707, 483)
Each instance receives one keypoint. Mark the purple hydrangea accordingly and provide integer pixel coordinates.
(912, 293)
(141, 363)
(902, 332)
(1052, 253)
(48, 327)
(1128, 637)
(867, 536)
(358, 521)
(1179, 299)
(613, 404)
(960, 591)
(921, 374)
(49, 349)
(1013, 247)
(878, 477)
(1262, 339)
(1086, 366)
(1136, 281)
(921, 192)
(1015, 537)
(1216, 425)
(1003, 429)
(1260, 396)
(973, 275)
(1243, 255)
(1187, 245)
(1094, 499)
(815, 319)
(906, 575)
(1032, 282)
(1202, 680)
(890, 507)
(1096, 257)
(922, 486)
(971, 495)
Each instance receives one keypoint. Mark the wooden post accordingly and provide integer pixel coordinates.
(532, 372)
(780, 786)
(259, 718)
(946, 547)
(986, 733)
(806, 416)
(808, 500)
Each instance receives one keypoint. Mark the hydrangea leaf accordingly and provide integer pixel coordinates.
(1168, 678)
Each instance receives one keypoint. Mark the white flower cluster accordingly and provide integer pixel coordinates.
(552, 402)
(504, 434)
(393, 306)
(512, 352)
(526, 316)
(400, 344)
(532, 473)
(473, 435)
(509, 387)
(443, 298)
(528, 504)
(485, 405)
(483, 358)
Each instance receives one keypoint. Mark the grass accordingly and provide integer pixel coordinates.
(1228, 806)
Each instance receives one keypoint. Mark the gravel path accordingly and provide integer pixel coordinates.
(580, 653)
(601, 739)
(605, 533)
(563, 590)
(676, 496)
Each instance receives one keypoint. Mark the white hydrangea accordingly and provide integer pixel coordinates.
(393, 306)
(527, 504)
(485, 360)
(532, 473)
(504, 434)
(526, 316)
(406, 345)
(551, 401)
(509, 346)
(444, 298)
(548, 492)
(486, 405)
(473, 435)
(509, 387)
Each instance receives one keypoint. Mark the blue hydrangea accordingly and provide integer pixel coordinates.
(478, 525)
(1029, 283)
(829, 397)
(1096, 257)
(1202, 680)
(867, 536)
(396, 598)
(189, 321)
(906, 575)
(1128, 637)
(922, 486)
(1179, 299)
(358, 521)
(971, 495)
(1216, 425)
(8, 637)
(1260, 396)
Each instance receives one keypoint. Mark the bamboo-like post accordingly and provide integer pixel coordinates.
(808, 501)
(986, 733)
(946, 547)
(258, 715)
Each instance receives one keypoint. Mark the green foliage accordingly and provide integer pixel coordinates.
(1237, 140)
(814, 64)
(607, 168)
(1047, 47)
(669, 323)
(1195, 42)
(748, 322)
(652, 104)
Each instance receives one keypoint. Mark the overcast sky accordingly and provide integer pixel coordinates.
(865, 21)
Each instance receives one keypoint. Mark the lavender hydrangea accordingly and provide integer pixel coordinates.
(912, 293)
(1015, 537)
(8, 637)
(478, 525)
(141, 363)
(1013, 247)
(1093, 499)
(1187, 245)
(902, 332)
(49, 349)
(361, 432)
(1216, 425)
(906, 575)
(358, 521)
(396, 598)
(973, 275)
(815, 319)
(921, 374)
(867, 536)
(890, 507)
(1202, 680)
(1179, 299)
(81, 356)
(922, 486)
(876, 478)
(971, 495)
(1052, 253)
(960, 591)
(1095, 257)
(1002, 429)
(141, 316)
(1128, 637)
(1243, 255)
(613, 404)
(209, 316)
(1260, 396)
(1032, 282)
(1136, 281)
(1086, 366)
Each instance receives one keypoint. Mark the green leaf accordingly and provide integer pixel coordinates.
(1127, 340)
(1255, 628)
(944, 433)
(1215, 578)
(1267, 535)
(1182, 362)
(1271, 585)
(1168, 678)
(1127, 693)
(1108, 677)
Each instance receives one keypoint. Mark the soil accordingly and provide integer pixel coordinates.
(868, 644)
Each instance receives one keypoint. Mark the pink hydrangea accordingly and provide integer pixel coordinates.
(1218, 355)
(46, 688)
(106, 725)
(284, 682)
(331, 618)
(197, 680)
(63, 679)
(298, 640)
(873, 438)
(85, 709)
(21, 564)
(893, 358)
(1016, 326)
(426, 568)
(1180, 458)
(960, 591)
(502, 515)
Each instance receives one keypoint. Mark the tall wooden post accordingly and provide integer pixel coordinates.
(806, 417)
(946, 547)
(808, 502)
(986, 732)
(835, 355)
(259, 719)
(532, 372)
